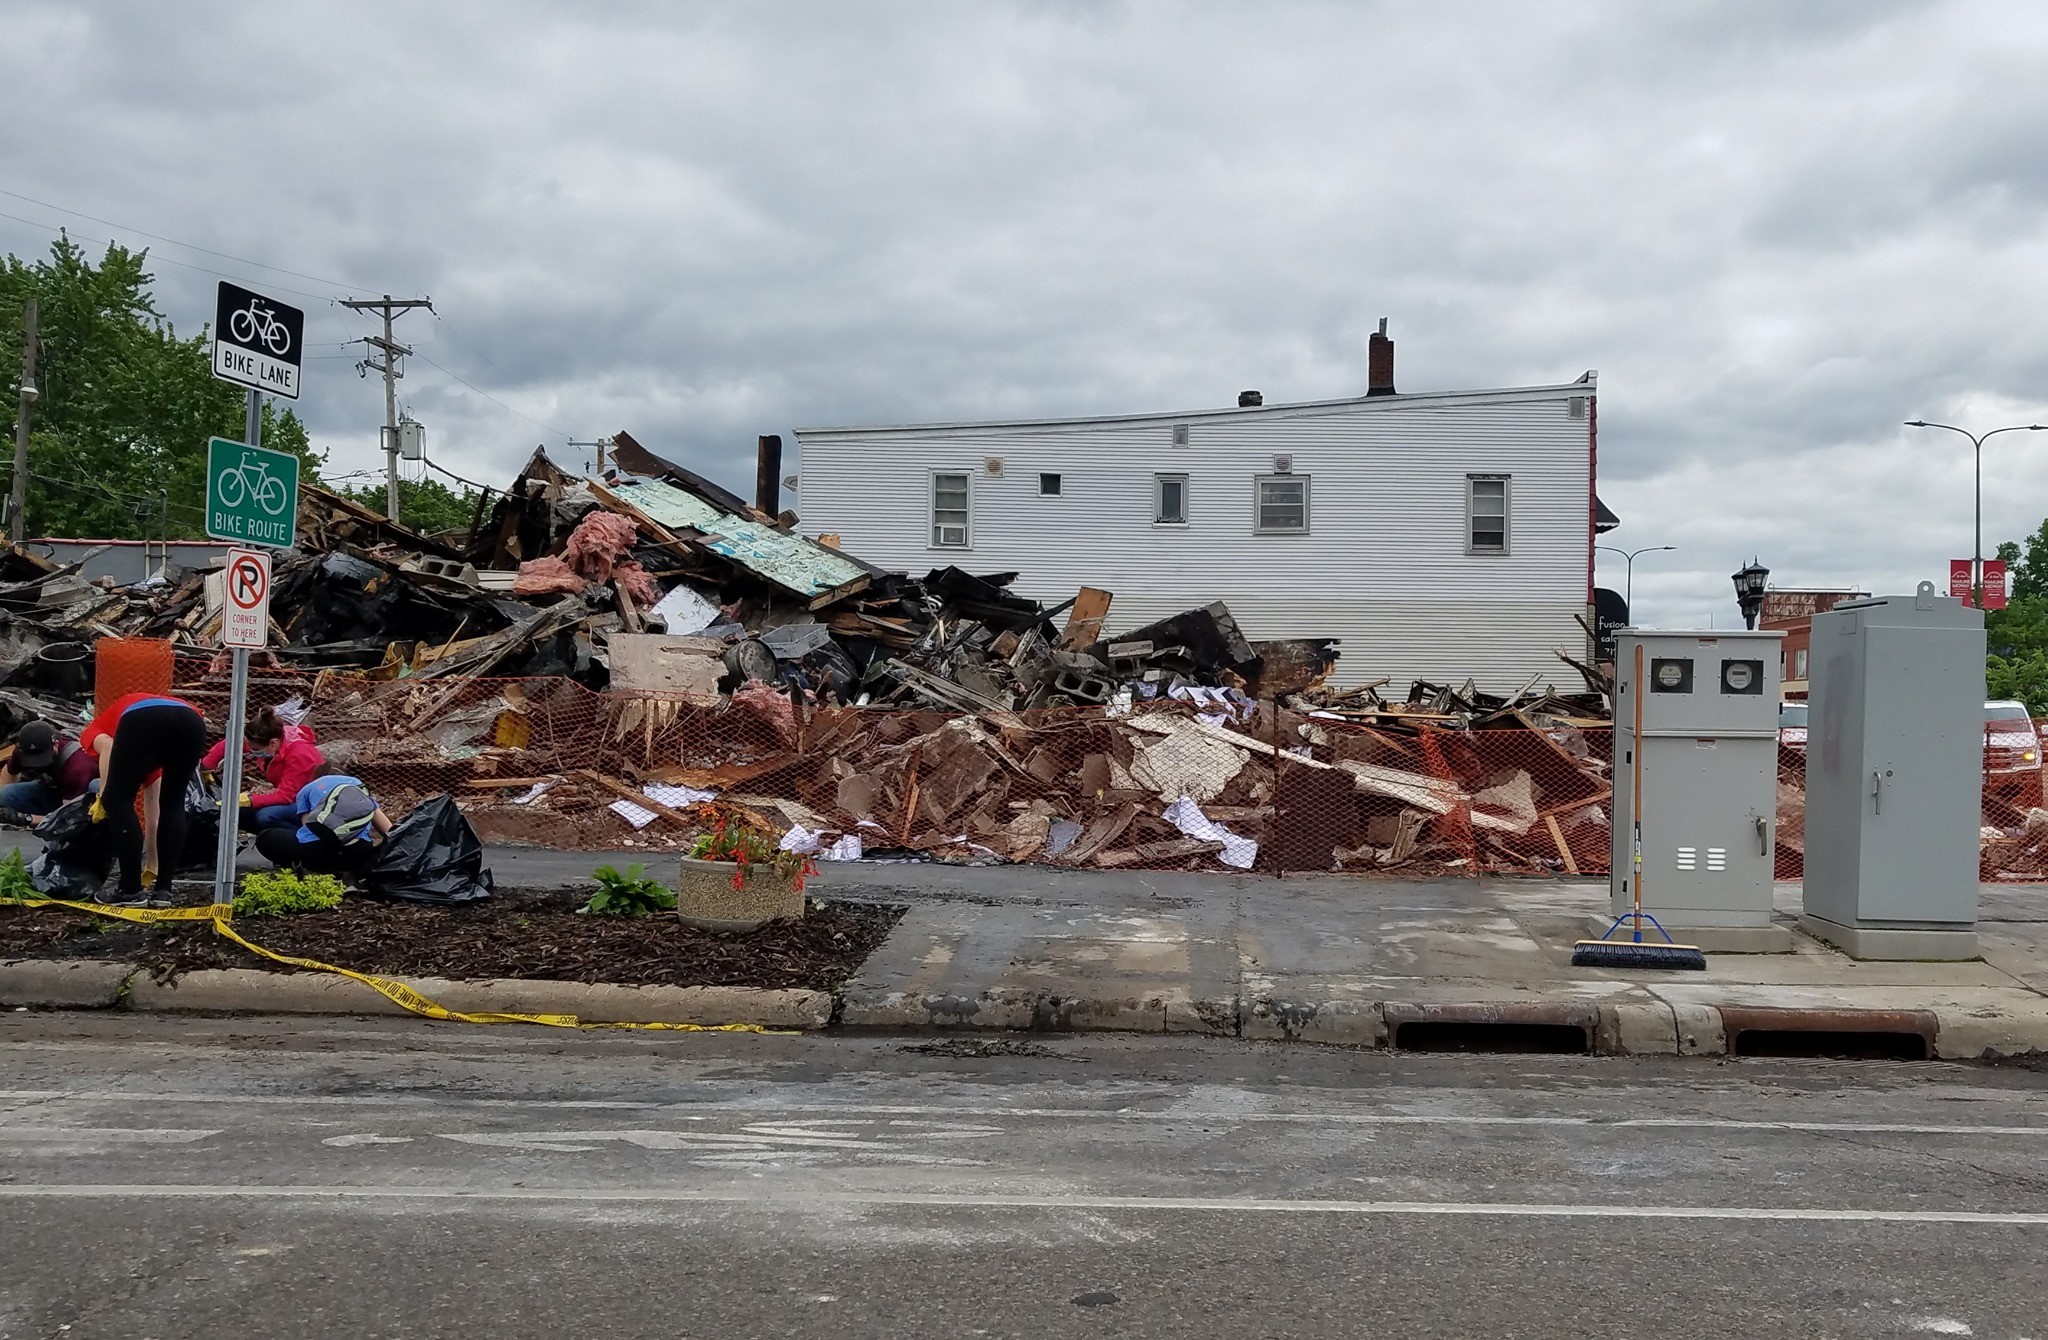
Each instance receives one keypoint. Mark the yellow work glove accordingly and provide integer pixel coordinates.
(149, 877)
(97, 811)
(245, 800)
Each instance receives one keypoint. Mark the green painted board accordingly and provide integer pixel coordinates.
(252, 494)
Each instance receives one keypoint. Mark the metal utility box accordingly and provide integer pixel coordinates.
(1710, 783)
(1895, 773)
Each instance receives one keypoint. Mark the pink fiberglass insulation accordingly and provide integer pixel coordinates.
(599, 541)
(634, 581)
(546, 576)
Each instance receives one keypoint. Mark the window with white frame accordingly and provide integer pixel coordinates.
(1169, 500)
(949, 510)
(1486, 513)
(1280, 505)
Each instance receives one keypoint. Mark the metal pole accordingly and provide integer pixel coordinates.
(390, 419)
(231, 755)
(17, 500)
(1628, 588)
(1977, 555)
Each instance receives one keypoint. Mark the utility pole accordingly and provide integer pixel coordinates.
(17, 498)
(387, 364)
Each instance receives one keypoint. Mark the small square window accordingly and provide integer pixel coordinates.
(949, 510)
(1280, 505)
(1169, 500)
(1048, 486)
(1486, 514)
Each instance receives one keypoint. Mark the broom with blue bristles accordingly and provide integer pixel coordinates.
(1636, 952)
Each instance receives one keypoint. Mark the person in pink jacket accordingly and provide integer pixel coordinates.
(289, 758)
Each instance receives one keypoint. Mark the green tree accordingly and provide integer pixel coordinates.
(425, 505)
(119, 430)
(2017, 636)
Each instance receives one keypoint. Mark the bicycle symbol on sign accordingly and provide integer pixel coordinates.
(252, 479)
(256, 322)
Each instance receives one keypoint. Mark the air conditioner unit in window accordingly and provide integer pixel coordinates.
(952, 535)
(1283, 465)
(994, 465)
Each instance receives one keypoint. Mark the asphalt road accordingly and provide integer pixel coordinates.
(281, 1179)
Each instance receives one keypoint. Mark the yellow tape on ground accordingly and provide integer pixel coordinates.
(397, 993)
(143, 915)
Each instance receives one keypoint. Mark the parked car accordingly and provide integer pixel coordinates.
(2012, 756)
(1792, 725)
(2012, 750)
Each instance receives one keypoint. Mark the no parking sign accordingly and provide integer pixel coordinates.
(245, 613)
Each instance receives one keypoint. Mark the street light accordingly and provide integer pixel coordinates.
(1977, 441)
(1749, 591)
(1628, 592)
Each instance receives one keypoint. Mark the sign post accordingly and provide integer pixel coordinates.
(252, 497)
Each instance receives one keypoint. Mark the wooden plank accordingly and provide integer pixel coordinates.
(625, 792)
(1084, 624)
(1564, 851)
(838, 593)
(507, 783)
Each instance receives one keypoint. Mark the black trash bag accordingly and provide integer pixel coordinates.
(77, 854)
(432, 857)
(202, 826)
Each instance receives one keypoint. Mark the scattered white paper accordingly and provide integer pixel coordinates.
(802, 841)
(675, 797)
(1238, 852)
(538, 790)
(848, 848)
(684, 611)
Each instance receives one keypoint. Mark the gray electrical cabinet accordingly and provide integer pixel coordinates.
(1895, 776)
(1710, 784)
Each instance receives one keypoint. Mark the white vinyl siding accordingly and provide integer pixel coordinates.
(1384, 567)
(1487, 499)
(1280, 505)
(950, 510)
(1170, 500)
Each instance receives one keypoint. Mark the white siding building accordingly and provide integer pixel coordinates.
(1439, 535)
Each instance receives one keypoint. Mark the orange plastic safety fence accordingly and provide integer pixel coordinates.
(1166, 785)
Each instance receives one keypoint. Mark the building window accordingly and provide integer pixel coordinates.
(1799, 664)
(949, 511)
(1048, 486)
(1169, 500)
(1486, 514)
(1280, 505)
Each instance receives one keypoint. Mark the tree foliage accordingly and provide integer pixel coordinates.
(2017, 636)
(117, 448)
(425, 505)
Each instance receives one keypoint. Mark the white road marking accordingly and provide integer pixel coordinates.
(703, 1110)
(755, 1195)
(350, 1141)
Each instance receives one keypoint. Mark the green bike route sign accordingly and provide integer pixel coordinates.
(252, 494)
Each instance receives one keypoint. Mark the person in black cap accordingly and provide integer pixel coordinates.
(48, 768)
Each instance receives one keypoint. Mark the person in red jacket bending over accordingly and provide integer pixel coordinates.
(290, 759)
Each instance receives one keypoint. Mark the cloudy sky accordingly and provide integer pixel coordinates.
(1777, 229)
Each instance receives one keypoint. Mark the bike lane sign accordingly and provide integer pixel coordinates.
(257, 341)
(245, 619)
(252, 494)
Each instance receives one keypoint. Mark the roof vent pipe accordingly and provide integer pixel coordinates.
(1379, 362)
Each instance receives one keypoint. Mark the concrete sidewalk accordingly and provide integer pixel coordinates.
(1355, 961)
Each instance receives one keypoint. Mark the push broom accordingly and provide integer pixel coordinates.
(1636, 952)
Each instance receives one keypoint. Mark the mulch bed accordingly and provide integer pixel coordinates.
(817, 953)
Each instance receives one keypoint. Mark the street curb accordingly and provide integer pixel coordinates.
(1339, 1023)
(255, 991)
(1006, 1009)
(63, 984)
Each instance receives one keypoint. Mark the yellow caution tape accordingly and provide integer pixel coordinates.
(394, 991)
(143, 915)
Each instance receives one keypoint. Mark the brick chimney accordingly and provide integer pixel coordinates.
(1379, 362)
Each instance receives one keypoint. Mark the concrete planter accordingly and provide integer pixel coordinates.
(706, 898)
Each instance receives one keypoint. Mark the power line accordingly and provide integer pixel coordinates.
(493, 399)
(168, 260)
(469, 483)
(172, 241)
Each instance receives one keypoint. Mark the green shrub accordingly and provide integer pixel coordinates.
(14, 877)
(631, 894)
(276, 893)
